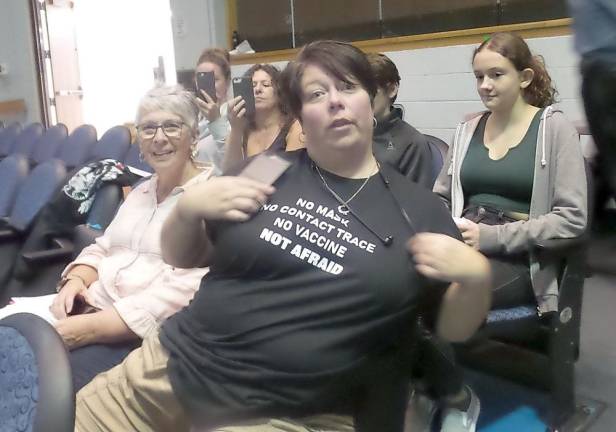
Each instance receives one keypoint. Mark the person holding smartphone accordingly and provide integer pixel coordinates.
(213, 123)
(267, 125)
(314, 286)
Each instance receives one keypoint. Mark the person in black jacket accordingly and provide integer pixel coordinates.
(395, 141)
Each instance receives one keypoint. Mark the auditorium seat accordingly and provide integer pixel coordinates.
(44, 254)
(540, 351)
(76, 148)
(25, 141)
(438, 150)
(133, 160)
(36, 385)
(48, 144)
(114, 144)
(35, 191)
(13, 171)
(7, 138)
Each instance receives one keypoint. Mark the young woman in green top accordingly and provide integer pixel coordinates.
(514, 176)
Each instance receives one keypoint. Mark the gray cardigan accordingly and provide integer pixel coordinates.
(558, 207)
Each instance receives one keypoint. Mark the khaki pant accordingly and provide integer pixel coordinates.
(137, 396)
(320, 423)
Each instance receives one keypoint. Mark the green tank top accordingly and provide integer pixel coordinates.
(505, 184)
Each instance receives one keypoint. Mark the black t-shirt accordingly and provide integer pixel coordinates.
(300, 296)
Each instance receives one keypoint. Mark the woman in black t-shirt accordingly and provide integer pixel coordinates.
(311, 291)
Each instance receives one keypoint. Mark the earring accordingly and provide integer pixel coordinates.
(140, 156)
(194, 152)
(374, 122)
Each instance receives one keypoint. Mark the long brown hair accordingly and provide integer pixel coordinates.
(540, 92)
(274, 74)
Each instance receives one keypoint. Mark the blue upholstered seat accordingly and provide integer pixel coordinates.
(77, 147)
(114, 144)
(18, 382)
(25, 141)
(36, 190)
(438, 149)
(7, 138)
(36, 389)
(512, 314)
(132, 159)
(13, 171)
(47, 145)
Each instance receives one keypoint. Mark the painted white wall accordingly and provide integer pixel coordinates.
(437, 85)
(17, 52)
(197, 24)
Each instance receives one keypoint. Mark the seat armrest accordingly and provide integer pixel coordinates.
(8, 234)
(62, 250)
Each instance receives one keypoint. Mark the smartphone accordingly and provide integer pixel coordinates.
(243, 87)
(206, 82)
(265, 168)
(80, 307)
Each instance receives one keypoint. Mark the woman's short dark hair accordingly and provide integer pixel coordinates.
(274, 74)
(217, 56)
(540, 92)
(341, 60)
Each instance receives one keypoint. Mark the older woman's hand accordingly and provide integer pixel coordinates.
(225, 198)
(236, 114)
(65, 300)
(208, 107)
(76, 331)
(444, 258)
(469, 231)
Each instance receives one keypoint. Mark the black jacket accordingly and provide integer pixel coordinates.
(405, 148)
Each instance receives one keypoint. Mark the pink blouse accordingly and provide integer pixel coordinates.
(132, 276)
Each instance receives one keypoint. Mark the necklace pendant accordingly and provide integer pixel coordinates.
(343, 209)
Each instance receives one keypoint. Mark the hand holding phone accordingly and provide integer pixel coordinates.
(206, 82)
(243, 87)
(81, 306)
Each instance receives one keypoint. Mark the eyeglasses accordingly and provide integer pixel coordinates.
(171, 129)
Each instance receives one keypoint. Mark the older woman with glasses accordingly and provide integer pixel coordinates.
(118, 289)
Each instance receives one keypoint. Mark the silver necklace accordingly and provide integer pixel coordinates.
(343, 208)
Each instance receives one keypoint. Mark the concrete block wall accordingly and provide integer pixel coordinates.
(438, 86)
